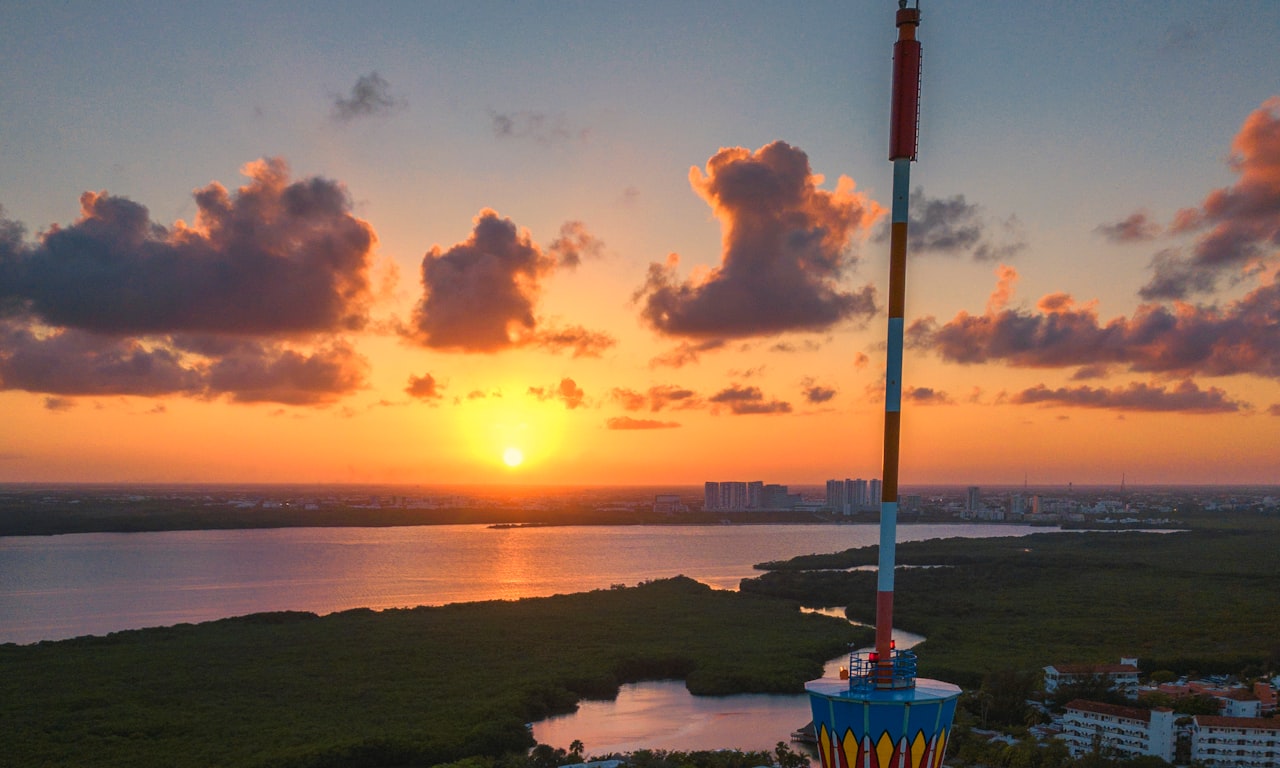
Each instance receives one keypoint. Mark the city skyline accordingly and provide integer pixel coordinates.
(565, 243)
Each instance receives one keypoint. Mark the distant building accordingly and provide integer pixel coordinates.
(1233, 701)
(776, 497)
(733, 495)
(1235, 742)
(873, 494)
(668, 504)
(861, 495)
(838, 497)
(1092, 726)
(1123, 676)
(738, 496)
(973, 501)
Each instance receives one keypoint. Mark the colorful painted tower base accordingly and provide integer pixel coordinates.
(869, 721)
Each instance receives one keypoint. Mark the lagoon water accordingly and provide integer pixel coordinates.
(55, 587)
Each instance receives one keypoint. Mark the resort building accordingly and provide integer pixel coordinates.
(1235, 742)
(1123, 676)
(1091, 726)
(1233, 701)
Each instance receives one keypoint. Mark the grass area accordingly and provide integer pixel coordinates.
(1202, 600)
(402, 687)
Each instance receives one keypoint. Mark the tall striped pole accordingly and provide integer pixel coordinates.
(879, 714)
(903, 124)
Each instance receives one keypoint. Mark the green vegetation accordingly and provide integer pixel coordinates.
(543, 756)
(418, 686)
(1201, 600)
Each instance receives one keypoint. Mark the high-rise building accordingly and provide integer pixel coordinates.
(838, 496)
(860, 498)
(755, 494)
(873, 489)
(973, 501)
(733, 494)
(776, 497)
(711, 495)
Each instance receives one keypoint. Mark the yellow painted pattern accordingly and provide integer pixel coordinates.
(850, 746)
(918, 748)
(940, 750)
(884, 750)
(824, 746)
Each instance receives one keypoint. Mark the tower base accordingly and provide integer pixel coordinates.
(860, 726)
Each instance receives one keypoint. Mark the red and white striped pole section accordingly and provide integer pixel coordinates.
(902, 151)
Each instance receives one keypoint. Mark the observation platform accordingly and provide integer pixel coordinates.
(880, 715)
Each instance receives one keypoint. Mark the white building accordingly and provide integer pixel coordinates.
(1090, 726)
(1235, 742)
(1123, 676)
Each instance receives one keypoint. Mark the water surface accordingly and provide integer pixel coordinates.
(54, 587)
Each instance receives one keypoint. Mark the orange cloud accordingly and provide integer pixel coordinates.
(786, 246)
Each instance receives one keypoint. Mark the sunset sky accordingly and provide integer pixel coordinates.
(635, 242)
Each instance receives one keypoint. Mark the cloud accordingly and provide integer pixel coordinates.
(629, 399)
(1185, 397)
(927, 396)
(786, 247)
(71, 362)
(942, 225)
(816, 393)
(575, 242)
(1274, 409)
(424, 387)
(1239, 338)
(808, 345)
(582, 342)
(233, 304)
(481, 294)
(1137, 228)
(567, 392)
(656, 399)
(748, 400)
(370, 96)
(685, 353)
(1090, 372)
(275, 257)
(1238, 226)
(257, 373)
(1006, 280)
(626, 422)
(952, 226)
(670, 396)
(539, 127)
(57, 404)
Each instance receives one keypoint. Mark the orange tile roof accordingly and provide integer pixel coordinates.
(1115, 710)
(1255, 723)
(1093, 669)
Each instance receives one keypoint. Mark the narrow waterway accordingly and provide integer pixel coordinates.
(664, 715)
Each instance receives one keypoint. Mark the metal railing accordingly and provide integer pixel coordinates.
(868, 672)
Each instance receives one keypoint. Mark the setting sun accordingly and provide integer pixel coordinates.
(512, 457)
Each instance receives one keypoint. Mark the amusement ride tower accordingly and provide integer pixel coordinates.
(878, 714)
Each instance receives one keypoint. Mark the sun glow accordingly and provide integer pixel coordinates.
(513, 457)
